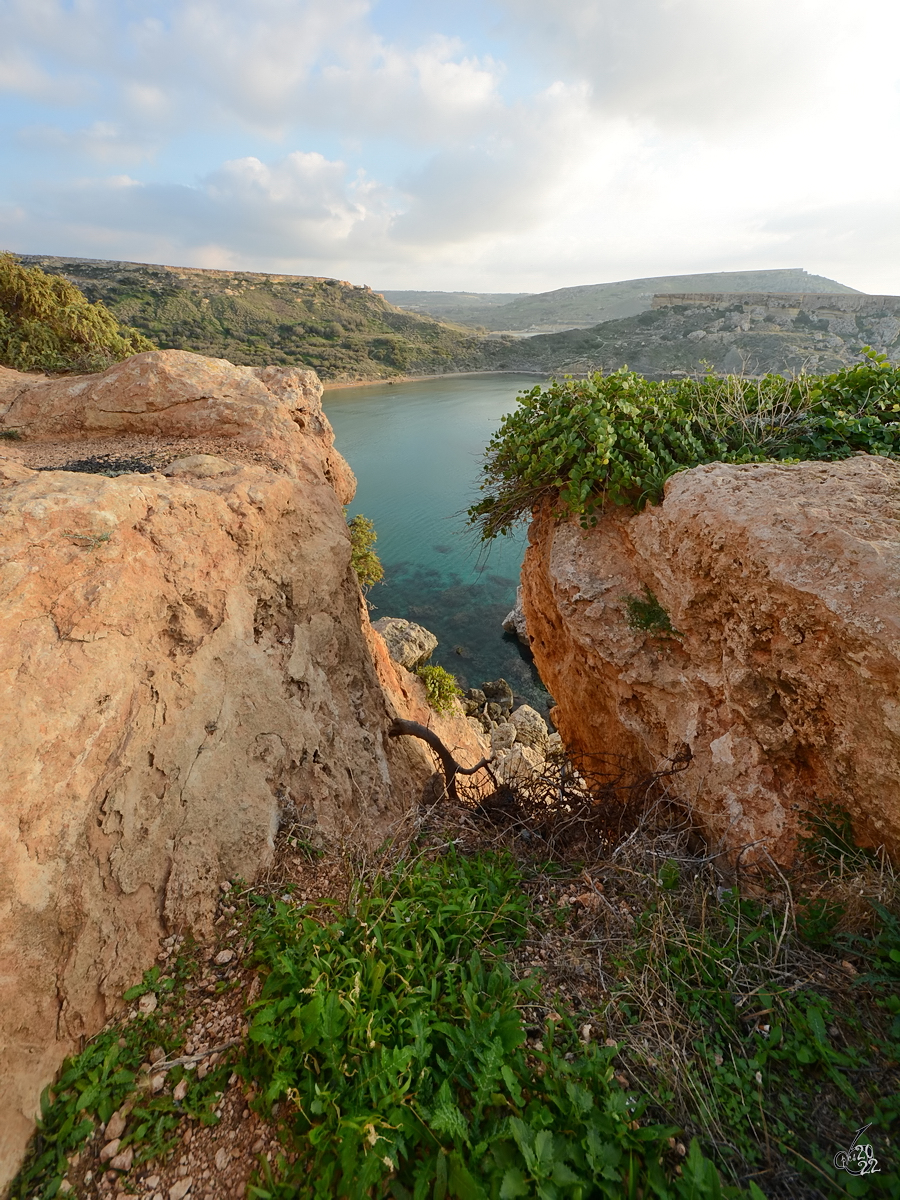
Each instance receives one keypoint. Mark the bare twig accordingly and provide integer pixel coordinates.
(188, 1059)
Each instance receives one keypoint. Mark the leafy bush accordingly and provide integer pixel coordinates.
(440, 687)
(47, 324)
(363, 559)
(616, 439)
(392, 1042)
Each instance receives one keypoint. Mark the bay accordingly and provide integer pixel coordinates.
(416, 449)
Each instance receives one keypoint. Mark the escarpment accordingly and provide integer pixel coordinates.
(186, 662)
(749, 623)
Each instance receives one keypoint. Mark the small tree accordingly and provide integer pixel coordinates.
(47, 324)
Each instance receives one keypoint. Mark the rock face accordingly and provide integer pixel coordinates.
(408, 644)
(514, 621)
(186, 661)
(782, 680)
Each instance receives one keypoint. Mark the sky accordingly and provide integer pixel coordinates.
(501, 145)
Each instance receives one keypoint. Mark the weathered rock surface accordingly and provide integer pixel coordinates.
(408, 644)
(184, 660)
(514, 621)
(783, 686)
(531, 728)
(173, 393)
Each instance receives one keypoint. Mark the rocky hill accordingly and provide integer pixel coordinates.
(577, 307)
(749, 333)
(343, 331)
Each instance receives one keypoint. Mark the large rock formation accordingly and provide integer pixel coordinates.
(779, 672)
(186, 659)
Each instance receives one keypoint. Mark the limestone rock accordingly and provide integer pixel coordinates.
(408, 644)
(174, 393)
(514, 622)
(782, 688)
(531, 728)
(200, 466)
(502, 737)
(184, 660)
(519, 765)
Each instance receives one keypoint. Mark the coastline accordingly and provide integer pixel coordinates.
(334, 385)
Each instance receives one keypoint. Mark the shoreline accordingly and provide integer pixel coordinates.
(394, 380)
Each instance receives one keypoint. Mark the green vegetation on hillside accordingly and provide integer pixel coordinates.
(47, 324)
(341, 330)
(577, 307)
(616, 439)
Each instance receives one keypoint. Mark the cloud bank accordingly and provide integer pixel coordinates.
(509, 147)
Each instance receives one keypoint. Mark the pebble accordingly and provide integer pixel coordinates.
(116, 1125)
(180, 1091)
(152, 1183)
(147, 1003)
(123, 1161)
(157, 1083)
(110, 1150)
(157, 1054)
(222, 1159)
(179, 1190)
(224, 956)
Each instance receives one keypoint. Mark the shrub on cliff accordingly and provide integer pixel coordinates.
(363, 559)
(616, 439)
(47, 324)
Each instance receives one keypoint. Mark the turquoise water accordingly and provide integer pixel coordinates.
(416, 449)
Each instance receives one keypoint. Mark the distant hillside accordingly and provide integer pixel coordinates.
(342, 330)
(577, 307)
(738, 332)
(451, 306)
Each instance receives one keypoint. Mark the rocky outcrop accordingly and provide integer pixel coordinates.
(514, 621)
(765, 646)
(186, 662)
(408, 644)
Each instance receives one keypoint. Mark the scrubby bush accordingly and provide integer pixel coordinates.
(440, 687)
(363, 559)
(47, 324)
(616, 439)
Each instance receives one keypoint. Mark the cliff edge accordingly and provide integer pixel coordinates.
(749, 623)
(186, 660)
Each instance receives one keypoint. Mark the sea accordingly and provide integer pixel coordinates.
(417, 449)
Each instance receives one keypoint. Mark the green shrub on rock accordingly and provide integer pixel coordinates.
(440, 687)
(363, 559)
(47, 324)
(616, 439)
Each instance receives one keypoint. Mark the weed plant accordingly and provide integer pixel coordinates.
(440, 687)
(616, 439)
(393, 1038)
(47, 324)
(106, 1075)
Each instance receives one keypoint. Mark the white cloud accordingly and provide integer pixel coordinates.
(617, 138)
